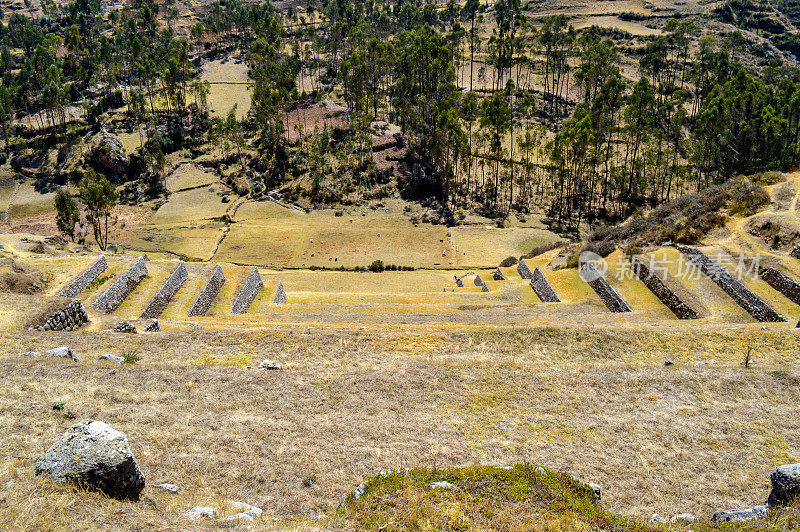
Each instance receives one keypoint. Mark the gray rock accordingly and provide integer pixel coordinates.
(112, 358)
(597, 492)
(152, 326)
(30, 354)
(125, 327)
(94, 455)
(246, 508)
(785, 481)
(443, 484)
(242, 516)
(685, 518)
(669, 363)
(739, 516)
(658, 519)
(172, 488)
(201, 512)
(62, 352)
(269, 364)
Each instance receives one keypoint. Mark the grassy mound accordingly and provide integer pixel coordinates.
(522, 497)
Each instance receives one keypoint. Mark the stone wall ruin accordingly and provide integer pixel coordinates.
(113, 297)
(69, 318)
(209, 293)
(605, 291)
(250, 289)
(523, 270)
(783, 284)
(746, 299)
(280, 295)
(659, 288)
(83, 280)
(160, 301)
(542, 287)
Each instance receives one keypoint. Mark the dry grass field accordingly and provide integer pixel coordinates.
(595, 403)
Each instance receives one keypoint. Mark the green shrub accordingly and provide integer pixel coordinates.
(131, 356)
(376, 266)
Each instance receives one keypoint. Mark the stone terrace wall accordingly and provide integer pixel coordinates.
(280, 295)
(607, 294)
(662, 291)
(783, 284)
(69, 318)
(209, 294)
(542, 287)
(250, 289)
(160, 301)
(111, 299)
(523, 270)
(746, 299)
(498, 275)
(478, 281)
(82, 281)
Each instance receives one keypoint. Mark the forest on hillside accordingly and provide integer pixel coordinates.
(500, 111)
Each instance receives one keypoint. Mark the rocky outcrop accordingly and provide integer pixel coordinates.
(612, 300)
(83, 280)
(498, 275)
(159, 303)
(280, 295)
(95, 456)
(478, 281)
(250, 289)
(796, 252)
(542, 287)
(783, 284)
(523, 270)
(153, 326)
(660, 289)
(746, 299)
(785, 482)
(108, 155)
(209, 293)
(70, 318)
(111, 299)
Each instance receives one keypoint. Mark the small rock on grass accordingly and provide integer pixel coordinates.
(739, 516)
(443, 485)
(63, 352)
(30, 354)
(245, 507)
(270, 364)
(785, 482)
(112, 358)
(658, 519)
(686, 518)
(201, 512)
(172, 488)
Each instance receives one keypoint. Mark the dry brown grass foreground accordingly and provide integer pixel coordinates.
(598, 405)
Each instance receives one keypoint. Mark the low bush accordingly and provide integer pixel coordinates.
(508, 262)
